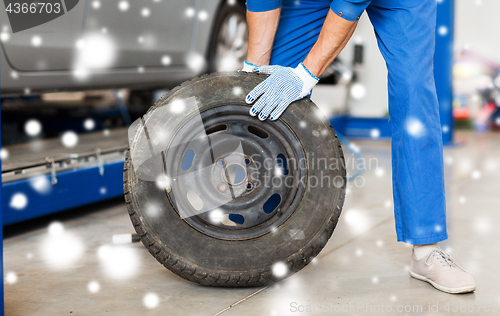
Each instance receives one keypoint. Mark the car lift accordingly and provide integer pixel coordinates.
(50, 179)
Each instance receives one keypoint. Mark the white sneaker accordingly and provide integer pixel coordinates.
(441, 271)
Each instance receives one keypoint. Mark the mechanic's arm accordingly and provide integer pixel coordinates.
(262, 27)
(286, 85)
(262, 18)
(332, 39)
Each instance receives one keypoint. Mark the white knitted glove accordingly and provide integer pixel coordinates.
(248, 67)
(283, 86)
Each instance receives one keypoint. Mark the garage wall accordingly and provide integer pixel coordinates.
(477, 25)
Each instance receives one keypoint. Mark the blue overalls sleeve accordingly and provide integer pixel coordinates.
(350, 10)
(262, 5)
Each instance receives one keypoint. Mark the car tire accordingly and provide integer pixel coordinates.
(218, 45)
(261, 259)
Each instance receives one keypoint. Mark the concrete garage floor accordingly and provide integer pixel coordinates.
(361, 265)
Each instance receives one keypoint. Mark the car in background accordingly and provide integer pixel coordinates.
(139, 44)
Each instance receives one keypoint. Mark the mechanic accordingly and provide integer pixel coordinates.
(301, 38)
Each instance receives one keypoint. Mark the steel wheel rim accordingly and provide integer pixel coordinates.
(250, 204)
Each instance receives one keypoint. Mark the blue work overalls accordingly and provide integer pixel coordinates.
(405, 31)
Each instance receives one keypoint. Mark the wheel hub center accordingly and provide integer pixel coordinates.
(234, 174)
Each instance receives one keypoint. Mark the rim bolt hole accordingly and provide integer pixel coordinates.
(248, 161)
(222, 187)
(249, 186)
(221, 162)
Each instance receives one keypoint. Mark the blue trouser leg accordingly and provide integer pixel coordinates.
(405, 33)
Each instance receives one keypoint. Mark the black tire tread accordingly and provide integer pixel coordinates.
(197, 274)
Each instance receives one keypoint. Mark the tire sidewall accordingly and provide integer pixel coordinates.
(294, 243)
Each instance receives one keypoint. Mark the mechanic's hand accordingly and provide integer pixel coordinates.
(284, 86)
(248, 67)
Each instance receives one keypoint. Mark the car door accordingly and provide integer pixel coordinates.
(143, 33)
(42, 39)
